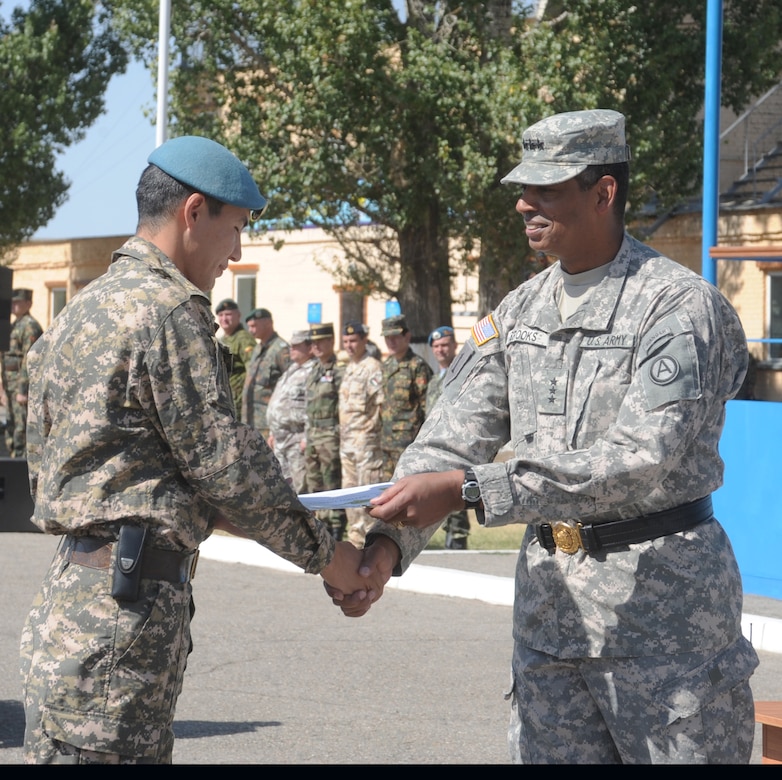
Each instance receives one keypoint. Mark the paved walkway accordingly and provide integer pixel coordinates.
(279, 676)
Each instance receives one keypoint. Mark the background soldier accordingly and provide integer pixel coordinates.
(360, 400)
(269, 360)
(443, 344)
(406, 376)
(25, 331)
(239, 342)
(286, 414)
(324, 470)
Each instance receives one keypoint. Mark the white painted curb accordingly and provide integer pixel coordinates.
(765, 633)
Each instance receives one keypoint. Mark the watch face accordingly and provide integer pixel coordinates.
(471, 492)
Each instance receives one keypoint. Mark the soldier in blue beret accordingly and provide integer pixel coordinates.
(136, 456)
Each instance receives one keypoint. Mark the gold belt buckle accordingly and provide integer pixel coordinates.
(194, 563)
(567, 537)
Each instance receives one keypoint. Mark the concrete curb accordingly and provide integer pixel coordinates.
(765, 633)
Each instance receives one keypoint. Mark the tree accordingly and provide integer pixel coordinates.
(352, 117)
(56, 59)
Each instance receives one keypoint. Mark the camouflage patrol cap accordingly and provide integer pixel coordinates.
(321, 331)
(355, 328)
(394, 326)
(299, 337)
(211, 169)
(562, 146)
(22, 294)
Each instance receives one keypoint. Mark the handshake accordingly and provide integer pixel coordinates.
(355, 578)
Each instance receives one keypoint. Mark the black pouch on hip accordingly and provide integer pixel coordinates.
(127, 563)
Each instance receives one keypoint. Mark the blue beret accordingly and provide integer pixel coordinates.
(209, 168)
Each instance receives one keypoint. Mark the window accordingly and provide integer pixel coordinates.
(775, 314)
(58, 297)
(245, 293)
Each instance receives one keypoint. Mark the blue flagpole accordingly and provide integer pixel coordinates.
(711, 138)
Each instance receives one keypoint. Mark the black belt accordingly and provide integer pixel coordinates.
(156, 564)
(570, 537)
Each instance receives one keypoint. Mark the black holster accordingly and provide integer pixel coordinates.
(128, 562)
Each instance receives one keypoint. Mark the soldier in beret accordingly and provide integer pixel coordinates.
(240, 344)
(135, 457)
(269, 360)
(25, 331)
(608, 373)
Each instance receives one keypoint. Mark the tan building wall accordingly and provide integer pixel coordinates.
(288, 280)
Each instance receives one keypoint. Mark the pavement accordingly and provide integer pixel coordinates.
(279, 676)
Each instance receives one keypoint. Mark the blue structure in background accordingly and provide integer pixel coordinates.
(748, 504)
(314, 313)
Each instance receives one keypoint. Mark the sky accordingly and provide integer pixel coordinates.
(104, 168)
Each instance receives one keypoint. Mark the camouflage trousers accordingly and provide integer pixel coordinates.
(101, 679)
(324, 472)
(689, 708)
(15, 425)
(288, 450)
(361, 465)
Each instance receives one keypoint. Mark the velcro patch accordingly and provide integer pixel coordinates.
(485, 330)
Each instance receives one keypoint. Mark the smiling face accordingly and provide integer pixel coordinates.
(210, 241)
(567, 222)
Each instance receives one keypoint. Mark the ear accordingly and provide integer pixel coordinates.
(605, 191)
(194, 208)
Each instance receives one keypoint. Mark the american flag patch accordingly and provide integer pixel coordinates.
(485, 330)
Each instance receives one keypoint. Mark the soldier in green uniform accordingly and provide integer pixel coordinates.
(25, 331)
(269, 361)
(240, 344)
(324, 468)
(135, 457)
(406, 376)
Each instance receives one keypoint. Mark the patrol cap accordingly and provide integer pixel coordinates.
(21, 294)
(354, 327)
(211, 169)
(258, 314)
(439, 333)
(227, 305)
(300, 337)
(321, 331)
(394, 326)
(561, 146)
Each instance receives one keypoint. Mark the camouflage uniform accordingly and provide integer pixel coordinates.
(131, 420)
(25, 331)
(240, 344)
(324, 471)
(360, 401)
(404, 396)
(457, 524)
(615, 413)
(287, 417)
(265, 367)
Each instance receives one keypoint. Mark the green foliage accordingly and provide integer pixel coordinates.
(349, 115)
(56, 59)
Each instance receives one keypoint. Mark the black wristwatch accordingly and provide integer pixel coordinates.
(471, 490)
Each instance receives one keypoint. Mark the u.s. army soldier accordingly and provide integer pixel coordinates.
(608, 373)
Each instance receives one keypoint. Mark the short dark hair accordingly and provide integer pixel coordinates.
(619, 171)
(158, 196)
